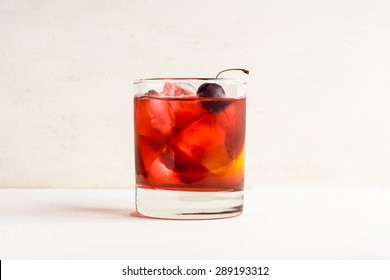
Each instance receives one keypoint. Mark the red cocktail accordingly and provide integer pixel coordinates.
(189, 147)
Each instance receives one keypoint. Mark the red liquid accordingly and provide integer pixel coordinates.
(189, 144)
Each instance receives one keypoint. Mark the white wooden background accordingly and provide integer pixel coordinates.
(318, 93)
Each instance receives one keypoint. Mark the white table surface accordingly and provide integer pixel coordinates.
(277, 223)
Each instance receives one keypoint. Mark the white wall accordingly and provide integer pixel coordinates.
(318, 96)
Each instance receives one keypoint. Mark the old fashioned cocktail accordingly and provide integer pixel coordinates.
(189, 147)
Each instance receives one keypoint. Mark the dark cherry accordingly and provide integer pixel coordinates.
(212, 90)
(152, 92)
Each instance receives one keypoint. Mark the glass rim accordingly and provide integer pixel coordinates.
(226, 80)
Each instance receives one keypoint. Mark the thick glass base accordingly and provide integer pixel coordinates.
(188, 205)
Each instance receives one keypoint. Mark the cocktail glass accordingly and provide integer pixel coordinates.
(189, 136)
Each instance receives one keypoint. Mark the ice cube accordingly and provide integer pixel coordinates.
(159, 175)
(178, 90)
(189, 171)
(146, 152)
(187, 89)
(186, 111)
(204, 142)
(154, 119)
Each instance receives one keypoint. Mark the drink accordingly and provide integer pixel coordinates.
(189, 152)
